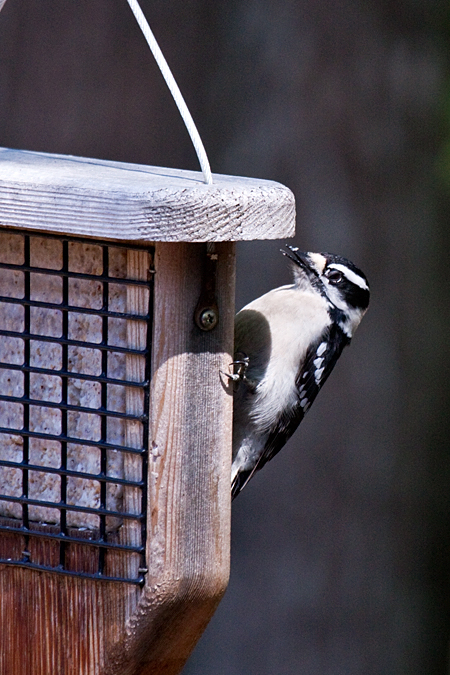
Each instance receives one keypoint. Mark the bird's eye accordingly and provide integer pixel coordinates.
(334, 276)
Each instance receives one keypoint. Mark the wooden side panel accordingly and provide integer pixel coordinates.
(189, 505)
(62, 625)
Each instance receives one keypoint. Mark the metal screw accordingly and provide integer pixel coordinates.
(208, 319)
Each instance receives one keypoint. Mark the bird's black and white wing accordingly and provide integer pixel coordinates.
(319, 361)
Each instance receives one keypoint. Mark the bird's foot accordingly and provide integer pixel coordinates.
(239, 367)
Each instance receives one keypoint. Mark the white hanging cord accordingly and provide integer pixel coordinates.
(174, 90)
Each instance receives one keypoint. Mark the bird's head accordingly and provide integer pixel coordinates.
(337, 279)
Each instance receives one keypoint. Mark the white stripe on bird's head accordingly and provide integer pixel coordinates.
(350, 275)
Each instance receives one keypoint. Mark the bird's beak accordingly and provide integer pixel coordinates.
(307, 266)
(302, 259)
(298, 257)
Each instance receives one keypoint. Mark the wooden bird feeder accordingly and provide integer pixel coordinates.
(116, 318)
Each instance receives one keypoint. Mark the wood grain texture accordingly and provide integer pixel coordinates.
(115, 200)
(52, 624)
(72, 626)
(137, 303)
(189, 500)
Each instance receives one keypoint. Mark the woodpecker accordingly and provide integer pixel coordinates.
(287, 342)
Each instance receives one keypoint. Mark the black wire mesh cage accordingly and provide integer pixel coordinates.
(75, 337)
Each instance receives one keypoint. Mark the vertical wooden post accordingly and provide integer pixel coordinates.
(189, 466)
(137, 301)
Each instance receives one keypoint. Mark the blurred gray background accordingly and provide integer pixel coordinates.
(340, 547)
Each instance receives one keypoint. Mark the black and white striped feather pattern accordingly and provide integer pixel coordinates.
(309, 380)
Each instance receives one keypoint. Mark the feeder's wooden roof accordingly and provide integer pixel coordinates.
(135, 202)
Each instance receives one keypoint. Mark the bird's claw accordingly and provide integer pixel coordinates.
(239, 367)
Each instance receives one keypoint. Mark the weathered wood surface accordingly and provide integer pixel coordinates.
(70, 626)
(115, 200)
(189, 494)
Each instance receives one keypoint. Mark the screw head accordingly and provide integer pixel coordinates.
(208, 319)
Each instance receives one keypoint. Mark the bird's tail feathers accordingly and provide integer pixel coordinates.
(240, 479)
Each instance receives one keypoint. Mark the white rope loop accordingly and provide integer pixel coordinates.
(174, 90)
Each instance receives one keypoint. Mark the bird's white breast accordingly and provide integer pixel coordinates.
(295, 318)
